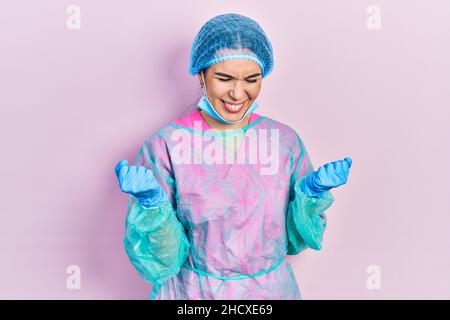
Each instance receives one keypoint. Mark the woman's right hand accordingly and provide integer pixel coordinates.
(140, 182)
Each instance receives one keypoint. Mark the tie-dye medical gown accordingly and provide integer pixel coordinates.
(229, 223)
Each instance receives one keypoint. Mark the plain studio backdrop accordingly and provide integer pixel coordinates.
(369, 80)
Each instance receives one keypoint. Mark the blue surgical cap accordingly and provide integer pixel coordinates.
(231, 36)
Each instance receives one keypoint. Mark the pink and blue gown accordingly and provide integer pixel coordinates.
(227, 228)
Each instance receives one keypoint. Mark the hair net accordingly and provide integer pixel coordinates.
(231, 36)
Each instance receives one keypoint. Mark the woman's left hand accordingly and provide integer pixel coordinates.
(330, 175)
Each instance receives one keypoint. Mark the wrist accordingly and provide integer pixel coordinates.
(156, 200)
(307, 188)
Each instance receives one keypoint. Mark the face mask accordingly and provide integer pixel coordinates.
(205, 105)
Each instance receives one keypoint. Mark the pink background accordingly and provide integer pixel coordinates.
(75, 102)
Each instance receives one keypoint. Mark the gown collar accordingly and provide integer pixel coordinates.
(188, 121)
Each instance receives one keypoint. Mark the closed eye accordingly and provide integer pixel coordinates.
(226, 80)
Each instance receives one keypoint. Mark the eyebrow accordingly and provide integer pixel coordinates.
(229, 76)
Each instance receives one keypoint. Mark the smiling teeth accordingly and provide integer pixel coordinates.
(234, 107)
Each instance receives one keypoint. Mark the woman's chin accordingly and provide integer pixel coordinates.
(232, 118)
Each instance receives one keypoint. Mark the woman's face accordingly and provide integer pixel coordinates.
(232, 86)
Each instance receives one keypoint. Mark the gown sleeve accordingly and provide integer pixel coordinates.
(306, 220)
(155, 240)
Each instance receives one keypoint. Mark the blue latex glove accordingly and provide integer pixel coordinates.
(329, 176)
(140, 182)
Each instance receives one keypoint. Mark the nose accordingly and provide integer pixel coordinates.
(237, 92)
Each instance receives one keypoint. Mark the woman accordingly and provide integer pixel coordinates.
(203, 220)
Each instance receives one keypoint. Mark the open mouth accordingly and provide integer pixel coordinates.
(233, 107)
